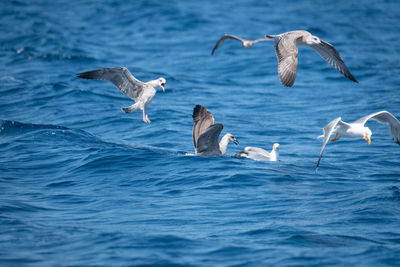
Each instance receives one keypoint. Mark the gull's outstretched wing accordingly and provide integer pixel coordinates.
(223, 38)
(286, 52)
(207, 143)
(328, 130)
(386, 118)
(202, 120)
(120, 77)
(331, 55)
(262, 40)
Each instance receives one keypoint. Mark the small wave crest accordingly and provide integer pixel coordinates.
(10, 127)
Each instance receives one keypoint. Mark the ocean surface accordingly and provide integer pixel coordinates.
(84, 184)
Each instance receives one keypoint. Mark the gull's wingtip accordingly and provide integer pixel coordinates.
(80, 75)
(196, 110)
(316, 166)
(270, 37)
(351, 77)
(287, 83)
(85, 75)
(354, 80)
(240, 154)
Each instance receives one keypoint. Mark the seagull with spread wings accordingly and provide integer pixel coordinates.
(357, 129)
(205, 134)
(141, 92)
(286, 48)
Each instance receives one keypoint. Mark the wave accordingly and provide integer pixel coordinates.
(14, 127)
(62, 151)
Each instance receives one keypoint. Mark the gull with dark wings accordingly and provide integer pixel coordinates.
(245, 43)
(206, 133)
(141, 92)
(357, 129)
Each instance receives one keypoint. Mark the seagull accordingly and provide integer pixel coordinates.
(245, 43)
(142, 93)
(206, 133)
(286, 48)
(260, 154)
(357, 129)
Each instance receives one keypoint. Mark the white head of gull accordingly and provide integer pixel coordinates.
(141, 92)
(205, 134)
(357, 129)
(259, 154)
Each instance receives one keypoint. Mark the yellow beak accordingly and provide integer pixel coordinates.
(367, 139)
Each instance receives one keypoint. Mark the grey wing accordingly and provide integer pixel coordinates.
(286, 52)
(207, 143)
(202, 119)
(257, 150)
(262, 40)
(328, 130)
(120, 77)
(331, 55)
(386, 118)
(223, 38)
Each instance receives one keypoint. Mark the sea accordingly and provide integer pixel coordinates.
(84, 184)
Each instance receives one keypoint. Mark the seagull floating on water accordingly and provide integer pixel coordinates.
(141, 92)
(357, 129)
(245, 43)
(205, 134)
(260, 154)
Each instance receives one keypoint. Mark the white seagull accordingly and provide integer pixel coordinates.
(260, 154)
(286, 48)
(245, 43)
(205, 134)
(142, 93)
(357, 129)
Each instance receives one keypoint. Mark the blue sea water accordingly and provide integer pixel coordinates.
(82, 183)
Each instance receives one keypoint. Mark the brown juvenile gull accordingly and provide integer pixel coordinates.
(205, 134)
(260, 154)
(286, 48)
(357, 129)
(245, 43)
(142, 93)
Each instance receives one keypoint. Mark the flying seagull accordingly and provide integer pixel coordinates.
(260, 154)
(286, 48)
(205, 134)
(142, 93)
(245, 43)
(357, 129)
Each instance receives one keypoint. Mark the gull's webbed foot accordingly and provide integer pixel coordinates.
(146, 119)
(334, 139)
